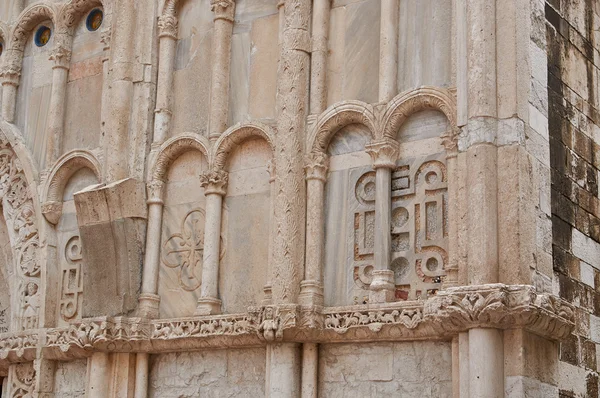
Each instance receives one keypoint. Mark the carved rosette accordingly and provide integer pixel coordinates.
(316, 167)
(61, 57)
(223, 9)
(214, 182)
(384, 153)
(168, 26)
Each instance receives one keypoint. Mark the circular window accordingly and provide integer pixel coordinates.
(1, 48)
(42, 36)
(94, 20)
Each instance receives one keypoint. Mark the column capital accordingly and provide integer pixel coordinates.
(223, 9)
(155, 191)
(61, 56)
(214, 182)
(10, 71)
(384, 153)
(316, 166)
(450, 142)
(168, 26)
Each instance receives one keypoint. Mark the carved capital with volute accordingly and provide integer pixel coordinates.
(223, 9)
(214, 182)
(61, 56)
(316, 166)
(10, 71)
(168, 26)
(384, 153)
(450, 142)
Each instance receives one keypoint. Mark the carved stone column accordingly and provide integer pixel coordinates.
(98, 377)
(318, 68)
(268, 298)
(61, 57)
(449, 141)
(224, 11)
(384, 154)
(105, 39)
(311, 292)
(388, 51)
(168, 27)
(149, 299)
(141, 375)
(44, 381)
(310, 370)
(215, 187)
(9, 76)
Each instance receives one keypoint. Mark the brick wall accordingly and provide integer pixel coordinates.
(574, 132)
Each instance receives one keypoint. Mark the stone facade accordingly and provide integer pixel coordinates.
(296, 198)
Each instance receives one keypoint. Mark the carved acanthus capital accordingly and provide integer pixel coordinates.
(384, 153)
(450, 142)
(316, 166)
(168, 26)
(10, 74)
(214, 182)
(61, 56)
(223, 9)
(52, 211)
(155, 190)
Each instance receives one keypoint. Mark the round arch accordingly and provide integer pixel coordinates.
(235, 136)
(175, 147)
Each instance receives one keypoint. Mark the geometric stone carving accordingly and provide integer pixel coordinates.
(418, 227)
(22, 380)
(72, 281)
(184, 250)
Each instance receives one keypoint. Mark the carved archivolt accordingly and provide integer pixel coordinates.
(60, 174)
(235, 136)
(27, 21)
(411, 102)
(337, 117)
(174, 148)
(19, 213)
(73, 10)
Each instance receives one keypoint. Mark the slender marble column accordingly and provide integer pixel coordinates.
(149, 299)
(141, 375)
(318, 68)
(9, 76)
(384, 154)
(268, 298)
(215, 187)
(98, 376)
(168, 26)
(450, 143)
(224, 11)
(310, 370)
(311, 292)
(388, 50)
(61, 56)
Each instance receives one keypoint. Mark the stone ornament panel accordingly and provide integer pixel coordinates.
(71, 291)
(19, 213)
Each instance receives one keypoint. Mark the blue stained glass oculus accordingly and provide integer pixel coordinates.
(42, 36)
(94, 20)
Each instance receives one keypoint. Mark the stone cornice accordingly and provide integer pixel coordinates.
(452, 311)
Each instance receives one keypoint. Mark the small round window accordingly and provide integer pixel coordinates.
(94, 20)
(42, 36)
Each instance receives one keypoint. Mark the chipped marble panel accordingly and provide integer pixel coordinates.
(227, 373)
(70, 378)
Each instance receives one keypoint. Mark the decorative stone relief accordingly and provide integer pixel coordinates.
(22, 380)
(184, 250)
(419, 230)
(20, 216)
(72, 281)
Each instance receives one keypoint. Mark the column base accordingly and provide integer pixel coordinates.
(311, 293)
(383, 287)
(268, 299)
(148, 305)
(208, 306)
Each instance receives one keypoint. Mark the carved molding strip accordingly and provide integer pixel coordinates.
(450, 312)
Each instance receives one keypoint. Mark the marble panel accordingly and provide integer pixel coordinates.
(425, 43)
(228, 373)
(419, 369)
(83, 109)
(246, 215)
(423, 125)
(264, 56)
(70, 378)
(183, 221)
(241, 49)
